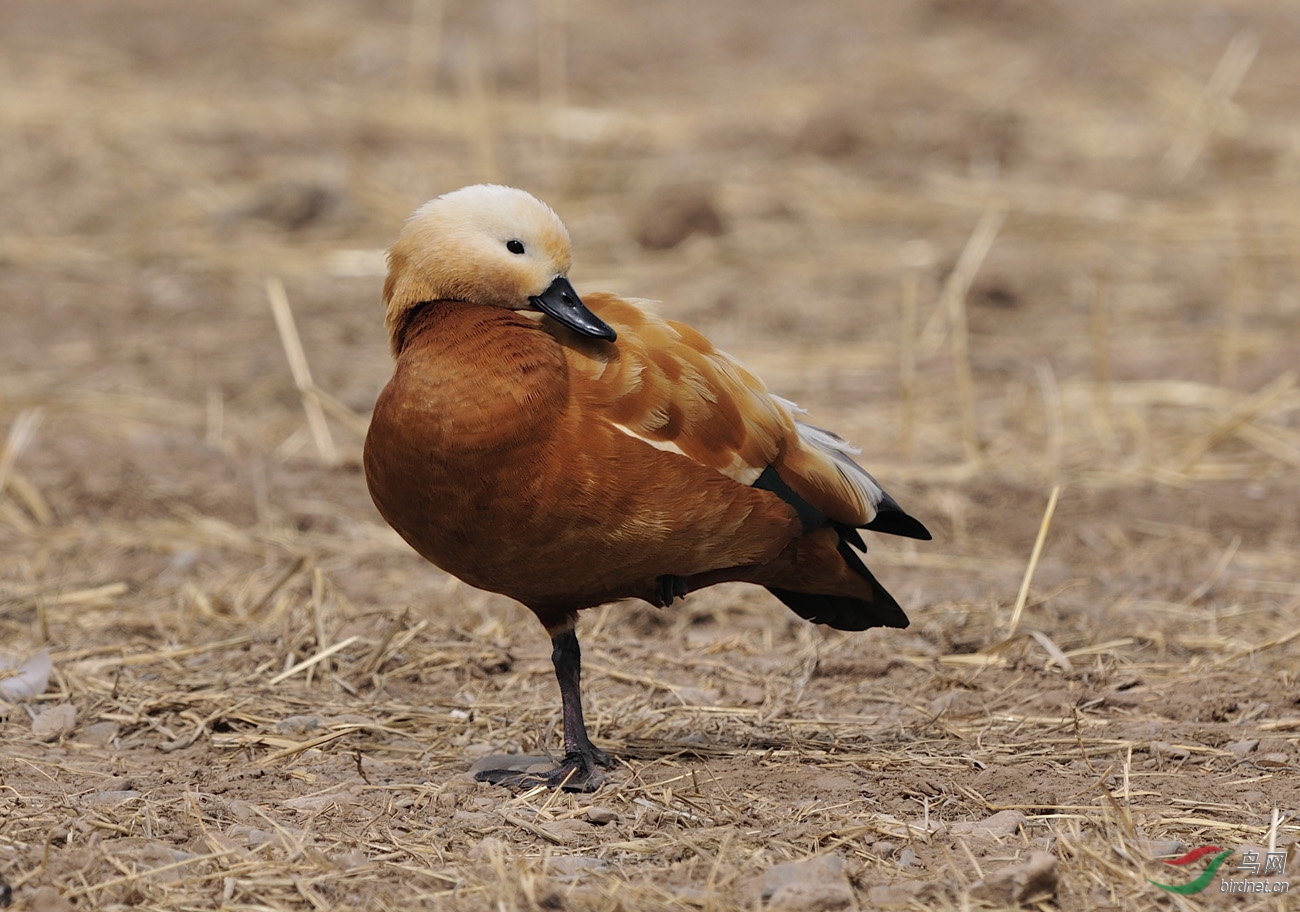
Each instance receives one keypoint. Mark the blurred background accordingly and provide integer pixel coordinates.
(1002, 245)
(1101, 199)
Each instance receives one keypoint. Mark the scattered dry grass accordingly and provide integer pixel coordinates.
(1049, 251)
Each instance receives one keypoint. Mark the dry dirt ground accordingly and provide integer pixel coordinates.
(1003, 245)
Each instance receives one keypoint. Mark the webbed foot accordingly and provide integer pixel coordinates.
(577, 772)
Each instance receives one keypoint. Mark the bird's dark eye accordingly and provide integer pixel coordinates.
(515, 246)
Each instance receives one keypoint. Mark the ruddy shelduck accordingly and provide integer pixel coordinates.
(570, 451)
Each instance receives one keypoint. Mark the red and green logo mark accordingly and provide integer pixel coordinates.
(1201, 882)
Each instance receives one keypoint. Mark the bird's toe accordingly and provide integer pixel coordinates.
(576, 773)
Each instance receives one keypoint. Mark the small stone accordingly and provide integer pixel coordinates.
(907, 858)
(601, 816)
(1254, 796)
(487, 847)
(1272, 761)
(566, 832)
(1165, 749)
(475, 820)
(53, 723)
(478, 750)
(237, 834)
(110, 798)
(673, 213)
(341, 797)
(746, 694)
(346, 861)
(1033, 878)
(954, 703)
(833, 134)
(1138, 731)
(998, 826)
(293, 205)
(100, 734)
(570, 865)
(48, 899)
(888, 896)
(298, 725)
(1164, 848)
(815, 885)
(1242, 748)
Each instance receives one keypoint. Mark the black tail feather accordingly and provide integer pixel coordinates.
(841, 611)
(893, 520)
(844, 612)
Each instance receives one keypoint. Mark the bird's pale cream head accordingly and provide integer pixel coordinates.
(484, 244)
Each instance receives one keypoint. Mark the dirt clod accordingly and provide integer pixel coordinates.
(1034, 878)
(52, 723)
(673, 213)
(816, 885)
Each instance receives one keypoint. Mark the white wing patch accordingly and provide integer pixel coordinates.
(842, 452)
(739, 470)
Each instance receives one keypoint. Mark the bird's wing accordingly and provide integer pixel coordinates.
(665, 383)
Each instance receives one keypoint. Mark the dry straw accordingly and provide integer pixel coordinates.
(1211, 108)
(293, 350)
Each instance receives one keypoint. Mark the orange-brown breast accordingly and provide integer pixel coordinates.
(493, 457)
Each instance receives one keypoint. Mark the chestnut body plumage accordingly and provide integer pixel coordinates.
(599, 452)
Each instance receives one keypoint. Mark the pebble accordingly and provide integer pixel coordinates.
(310, 803)
(570, 865)
(1242, 748)
(475, 820)
(1164, 848)
(1001, 824)
(53, 723)
(832, 134)
(487, 847)
(601, 815)
(1272, 761)
(478, 750)
(888, 896)
(298, 725)
(815, 885)
(49, 899)
(566, 832)
(674, 213)
(250, 836)
(1014, 884)
(112, 797)
(100, 734)
(1165, 749)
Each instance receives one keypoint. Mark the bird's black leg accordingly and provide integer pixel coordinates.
(580, 755)
(577, 771)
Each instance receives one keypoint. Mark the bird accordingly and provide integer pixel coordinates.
(570, 451)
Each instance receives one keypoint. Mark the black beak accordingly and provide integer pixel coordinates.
(561, 302)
